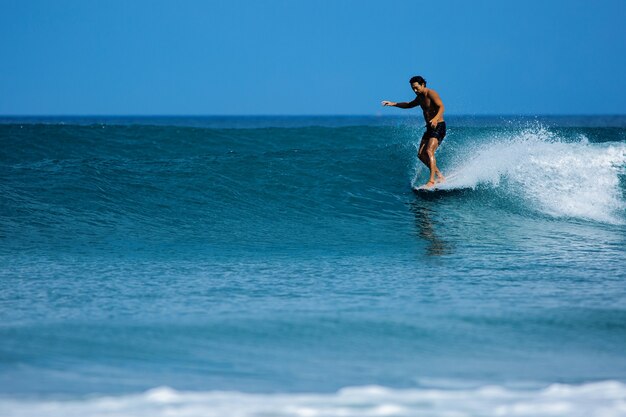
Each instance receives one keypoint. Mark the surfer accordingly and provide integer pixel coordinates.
(433, 108)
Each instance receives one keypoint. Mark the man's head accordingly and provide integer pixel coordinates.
(418, 84)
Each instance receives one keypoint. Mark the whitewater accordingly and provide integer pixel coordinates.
(574, 179)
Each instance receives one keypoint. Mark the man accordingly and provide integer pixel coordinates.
(432, 107)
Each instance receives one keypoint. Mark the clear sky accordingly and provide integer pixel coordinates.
(236, 57)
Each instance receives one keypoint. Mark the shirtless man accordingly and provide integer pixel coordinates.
(432, 107)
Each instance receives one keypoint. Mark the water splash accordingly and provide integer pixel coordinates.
(551, 175)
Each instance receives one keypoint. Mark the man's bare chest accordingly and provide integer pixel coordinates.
(426, 104)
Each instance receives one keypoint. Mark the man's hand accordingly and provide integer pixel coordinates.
(434, 122)
(388, 103)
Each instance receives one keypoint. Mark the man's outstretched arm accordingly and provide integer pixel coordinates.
(404, 105)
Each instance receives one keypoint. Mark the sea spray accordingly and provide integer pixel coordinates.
(552, 175)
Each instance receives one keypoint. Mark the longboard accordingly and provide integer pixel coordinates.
(447, 186)
(433, 189)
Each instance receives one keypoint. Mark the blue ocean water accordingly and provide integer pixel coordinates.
(283, 266)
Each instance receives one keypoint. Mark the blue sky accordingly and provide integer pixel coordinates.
(240, 57)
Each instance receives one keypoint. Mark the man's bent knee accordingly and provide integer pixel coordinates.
(433, 142)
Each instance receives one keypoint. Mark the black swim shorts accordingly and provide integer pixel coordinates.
(438, 132)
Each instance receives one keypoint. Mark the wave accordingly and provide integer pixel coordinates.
(607, 398)
(545, 173)
(160, 183)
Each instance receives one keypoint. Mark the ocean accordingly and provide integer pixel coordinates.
(283, 266)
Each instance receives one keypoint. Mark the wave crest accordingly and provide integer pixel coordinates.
(551, 175)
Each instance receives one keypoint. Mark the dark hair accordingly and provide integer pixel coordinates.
(417, 79)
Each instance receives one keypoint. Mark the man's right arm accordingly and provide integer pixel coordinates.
(403, 105)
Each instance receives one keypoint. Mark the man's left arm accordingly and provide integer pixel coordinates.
(434, 96)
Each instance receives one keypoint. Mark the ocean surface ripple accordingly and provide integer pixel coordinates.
(278, 266)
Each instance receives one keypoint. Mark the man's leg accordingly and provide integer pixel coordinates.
(433, 144)
(421, 153)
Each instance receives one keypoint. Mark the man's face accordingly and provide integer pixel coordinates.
(417, 87)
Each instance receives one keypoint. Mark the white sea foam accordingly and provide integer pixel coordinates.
(554, 177)
(601, 399)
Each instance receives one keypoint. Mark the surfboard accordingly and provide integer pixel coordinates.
(433, 189)
(448, 186)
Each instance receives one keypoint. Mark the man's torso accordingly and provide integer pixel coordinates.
(429, 108)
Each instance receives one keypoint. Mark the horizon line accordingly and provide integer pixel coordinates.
(320, 115)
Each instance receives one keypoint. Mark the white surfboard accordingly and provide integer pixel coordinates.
(451, 183)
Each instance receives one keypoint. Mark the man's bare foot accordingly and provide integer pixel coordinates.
(429, 184)
(440, 178)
